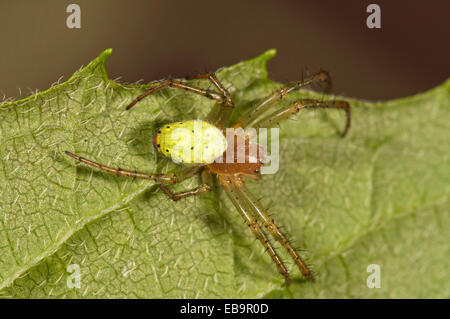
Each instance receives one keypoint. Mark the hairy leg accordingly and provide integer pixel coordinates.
(278, 95)
(269, 223)
(202, 189)
(221, 112)
(286, 112)
(246, 213)
(184, 86)
(169, 178)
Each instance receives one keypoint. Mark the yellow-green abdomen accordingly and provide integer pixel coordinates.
(191, 142)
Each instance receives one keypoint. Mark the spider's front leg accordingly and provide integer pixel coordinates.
(169, 178)
(245, 211)
(273, 229)
(286, 112)
(260, 108)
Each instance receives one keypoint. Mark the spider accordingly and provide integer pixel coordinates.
(231, 172)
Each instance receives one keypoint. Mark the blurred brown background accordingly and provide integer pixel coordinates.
(154, 39)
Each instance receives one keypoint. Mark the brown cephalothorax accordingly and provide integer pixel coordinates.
(230, 170)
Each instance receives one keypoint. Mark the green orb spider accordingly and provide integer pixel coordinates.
(230, 173)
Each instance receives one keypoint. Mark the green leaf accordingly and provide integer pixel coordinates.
(379, 196)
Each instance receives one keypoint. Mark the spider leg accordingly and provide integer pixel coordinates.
(221, 112)
(202, 189)
(273, 229)
(180, 85)
(279, 94)
(286, 112)
(169, 178)
(245, 211)
(215, 81)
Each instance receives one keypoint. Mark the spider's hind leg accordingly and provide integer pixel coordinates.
(215, 81)
(221, 112)
(169, 178)
(220, 98)
(202, 189)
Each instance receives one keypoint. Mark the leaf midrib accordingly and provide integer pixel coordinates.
(322, 258)
(78, 226)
